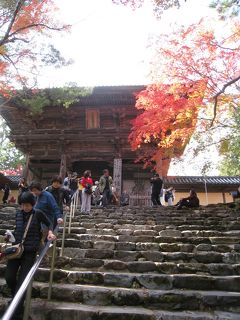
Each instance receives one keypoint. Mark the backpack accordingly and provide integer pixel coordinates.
(88, 188)
(167, 196)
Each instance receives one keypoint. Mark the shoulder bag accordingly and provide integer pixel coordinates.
(16, 251)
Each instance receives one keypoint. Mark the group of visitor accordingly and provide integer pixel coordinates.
(168, 194)
(97, 193)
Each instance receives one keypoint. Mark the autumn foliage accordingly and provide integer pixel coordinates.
(21, 22)
(199, 52)
(199, 65)
(166, 123)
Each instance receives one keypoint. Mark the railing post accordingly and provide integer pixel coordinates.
(52, 270)
(74, 203)
(28, 300)
(70, 218)
(64, 234)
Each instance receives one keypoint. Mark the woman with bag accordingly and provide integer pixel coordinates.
(27, 232)
(87, 184)
(169, 196)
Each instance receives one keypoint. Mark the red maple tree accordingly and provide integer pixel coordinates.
(199, 52)
(166, 123)
(194, 57)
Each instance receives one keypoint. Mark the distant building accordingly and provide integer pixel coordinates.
(210, 190)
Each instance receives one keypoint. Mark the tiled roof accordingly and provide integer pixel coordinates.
(124, 95)
(201, 179)
(224, 183)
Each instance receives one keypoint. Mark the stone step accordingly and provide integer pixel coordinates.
(214, 269)
(194, 225)
(154, 299)
(138, 280)
(164, 212)
(144, 219)
(42, 310)
(171, 237)
(109, 242)
(218, 269)
(93, 221)
(131, 231)
(155, 256)
(171, 215)
(3, 304)
(170, 264)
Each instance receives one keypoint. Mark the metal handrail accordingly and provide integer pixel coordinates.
(71, 214)
(27, 283)
(18, 296)
(73, 208)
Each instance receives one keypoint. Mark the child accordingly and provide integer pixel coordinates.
(17, 269)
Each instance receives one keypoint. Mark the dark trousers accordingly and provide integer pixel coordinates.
(155, 197)
(5, 197)
(107, 195)
(16, 272)
(80, 196)
(186, 203)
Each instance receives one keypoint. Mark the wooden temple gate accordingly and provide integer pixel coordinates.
(90, 134)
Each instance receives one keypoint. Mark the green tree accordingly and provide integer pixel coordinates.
(10, 157)
(230, 165)
(226, 8)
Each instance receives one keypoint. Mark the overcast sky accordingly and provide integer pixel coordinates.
(109, 43)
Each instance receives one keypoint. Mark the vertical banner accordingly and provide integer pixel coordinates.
(25, 171)
(63, 166)
(117, 175)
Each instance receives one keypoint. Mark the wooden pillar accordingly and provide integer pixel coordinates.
(26, 170)
(224, 197)
(63, 166)
(117, 175)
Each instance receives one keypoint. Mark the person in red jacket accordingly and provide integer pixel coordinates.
(87, 184)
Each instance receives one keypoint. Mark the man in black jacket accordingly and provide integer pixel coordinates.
(61, 195)
(156, 189)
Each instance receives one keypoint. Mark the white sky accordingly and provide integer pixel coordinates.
(109, 43)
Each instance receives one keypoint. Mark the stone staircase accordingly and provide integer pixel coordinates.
(141, 264)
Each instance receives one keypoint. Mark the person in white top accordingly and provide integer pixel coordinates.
(169, 196)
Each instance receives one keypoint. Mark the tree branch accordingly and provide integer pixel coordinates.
(35, 25)
(17, 39)
(17, 9)
(14, 65)
(229, 83)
